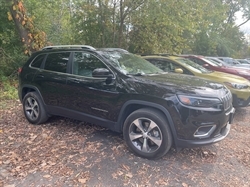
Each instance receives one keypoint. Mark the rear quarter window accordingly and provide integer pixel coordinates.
(37, 62)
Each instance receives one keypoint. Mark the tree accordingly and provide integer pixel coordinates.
(32, 38)
(245, 8)
(54, 18)
(143, 26)
(163, 26)
(11, 51)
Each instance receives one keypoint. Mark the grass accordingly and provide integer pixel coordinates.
(8, 90)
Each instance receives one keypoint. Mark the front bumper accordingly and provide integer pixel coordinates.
(241, 98)
(222, 129)
(196, 143)
(240, 102)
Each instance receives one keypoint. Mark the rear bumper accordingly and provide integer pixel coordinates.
(19, 93)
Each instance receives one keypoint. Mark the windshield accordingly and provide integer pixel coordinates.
(217, 60)
(242, 61)
(213, 62)
(130, 64)
(192, 65)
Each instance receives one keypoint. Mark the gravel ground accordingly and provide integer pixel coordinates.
(65, 152)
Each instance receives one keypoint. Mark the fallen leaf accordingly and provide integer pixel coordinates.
(125, 167)
(51, 163)
(129, 175)
(205, 152)
(12, 185)
(184, 184)
(43, 164)
(83, 181)
(120, 173)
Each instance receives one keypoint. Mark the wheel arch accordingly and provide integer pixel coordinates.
(29, 88)
(132, 105)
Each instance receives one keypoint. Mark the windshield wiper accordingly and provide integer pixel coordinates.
(142, 74)
(136, 74)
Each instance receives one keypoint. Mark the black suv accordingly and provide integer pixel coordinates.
(119, 90)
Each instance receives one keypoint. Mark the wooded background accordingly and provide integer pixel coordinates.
(140, 26)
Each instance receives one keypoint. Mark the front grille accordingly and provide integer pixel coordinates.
(227, 100)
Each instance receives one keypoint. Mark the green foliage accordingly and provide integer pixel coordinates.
(8, 88)
(159, 27)
(54, 18)
(10, 61)
(152, 26)
(143, 26)
(245, 51)
(11, 49)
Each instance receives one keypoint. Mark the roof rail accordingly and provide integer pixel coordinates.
(159, 54)
(113, 49)
(69, 46)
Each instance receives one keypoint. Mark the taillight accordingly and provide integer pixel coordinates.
(19, 70)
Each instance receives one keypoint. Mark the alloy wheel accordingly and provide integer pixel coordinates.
(145, 135)
(31, 108)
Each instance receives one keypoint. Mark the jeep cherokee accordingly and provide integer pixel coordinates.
(125, 93)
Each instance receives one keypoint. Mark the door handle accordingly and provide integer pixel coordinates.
(40, 76)
(74, 81)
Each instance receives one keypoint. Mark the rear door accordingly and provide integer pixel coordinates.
(51, 78)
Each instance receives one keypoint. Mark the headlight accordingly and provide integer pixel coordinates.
(199, 101)
(236, 85)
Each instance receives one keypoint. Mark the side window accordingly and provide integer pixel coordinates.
(160, 64)
(197, 61)
(57, 62)
(173, 66)
(165, 65)
(168, 66)
(37, 62)
(84, 63)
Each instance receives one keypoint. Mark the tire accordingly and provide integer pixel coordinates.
(147, 133)
(33, 108)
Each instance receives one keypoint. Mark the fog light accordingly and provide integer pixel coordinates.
(204, 131)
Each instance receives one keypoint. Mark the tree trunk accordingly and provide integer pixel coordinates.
(120, 33)
(32, 39)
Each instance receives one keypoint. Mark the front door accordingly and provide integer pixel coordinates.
(91, 95)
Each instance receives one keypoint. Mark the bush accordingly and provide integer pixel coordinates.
(9, 64)
(10, 61)
(8, 88)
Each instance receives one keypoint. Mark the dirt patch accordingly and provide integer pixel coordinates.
(65, 152)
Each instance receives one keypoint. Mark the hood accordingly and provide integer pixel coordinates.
(237, 69)
(165, 85)
(225, 77)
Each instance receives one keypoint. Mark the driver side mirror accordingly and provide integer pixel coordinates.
(178, 70)
(101, 73)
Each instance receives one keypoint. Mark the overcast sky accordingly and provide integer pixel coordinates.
(246, 27)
